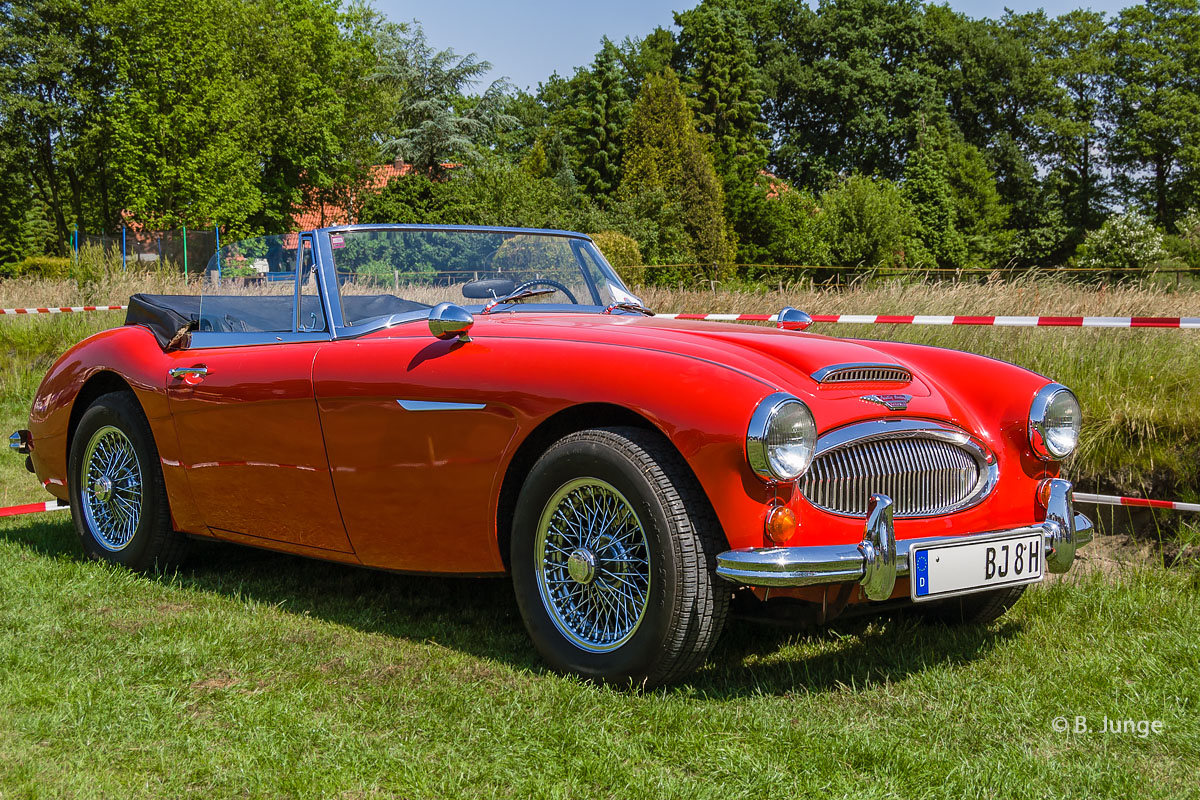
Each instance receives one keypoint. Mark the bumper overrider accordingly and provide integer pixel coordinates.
(879, 558)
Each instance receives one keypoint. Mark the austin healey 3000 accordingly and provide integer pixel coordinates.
(489, 401)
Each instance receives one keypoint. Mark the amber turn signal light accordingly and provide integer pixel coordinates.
(1043, 493)
(781, 524)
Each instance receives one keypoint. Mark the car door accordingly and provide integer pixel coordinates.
(416, 431)
(246, 417)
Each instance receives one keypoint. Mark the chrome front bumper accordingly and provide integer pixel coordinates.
(879, 559)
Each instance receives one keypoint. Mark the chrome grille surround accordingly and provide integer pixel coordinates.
(862, 373)
(928, 468)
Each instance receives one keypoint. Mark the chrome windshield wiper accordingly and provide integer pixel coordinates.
(515, 297)
(627, 306)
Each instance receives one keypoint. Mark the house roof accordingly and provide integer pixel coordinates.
(316, 213)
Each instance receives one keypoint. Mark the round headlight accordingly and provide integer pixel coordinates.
(781, 439)
(1054, 420)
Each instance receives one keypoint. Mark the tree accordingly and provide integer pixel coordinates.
(1072, 51)
(849, 84)
(717, 54)
(595, 117)
(646, 56)
(979, 213)
(54, 73)
(184, 132)
(717, 57)
(668, 168)
(432, 121)
(1155, 107)
(927, 187)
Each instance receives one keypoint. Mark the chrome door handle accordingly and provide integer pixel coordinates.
(179, 372)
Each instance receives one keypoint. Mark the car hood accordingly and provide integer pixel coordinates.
(784, 358)
(942, 386)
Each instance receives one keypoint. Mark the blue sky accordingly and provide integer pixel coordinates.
(526, 40)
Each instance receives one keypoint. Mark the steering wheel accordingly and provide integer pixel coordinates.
(546, 282)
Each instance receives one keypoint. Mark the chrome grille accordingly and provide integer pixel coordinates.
(862, 373)
(923, 475)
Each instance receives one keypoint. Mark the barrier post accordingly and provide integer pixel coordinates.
(185, 253)
(122, 248)
(217, 229)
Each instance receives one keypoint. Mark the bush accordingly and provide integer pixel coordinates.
(1188, 241)
(52, 267)
(1125, 242)
(623, 253)
(868, 223)
(800, 234)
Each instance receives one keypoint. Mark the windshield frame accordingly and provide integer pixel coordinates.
(326, 265)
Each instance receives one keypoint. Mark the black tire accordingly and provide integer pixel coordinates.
(682, 602)
(973, 609)
(128, 520)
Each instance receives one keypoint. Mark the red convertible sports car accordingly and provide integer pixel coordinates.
(486, 401)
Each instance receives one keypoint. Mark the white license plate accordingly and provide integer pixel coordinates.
(949, 568)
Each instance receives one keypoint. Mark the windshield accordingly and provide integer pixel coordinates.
(471, 268)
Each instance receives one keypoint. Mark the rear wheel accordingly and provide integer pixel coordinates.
(613, 559)
(118, 499)
(973, 609)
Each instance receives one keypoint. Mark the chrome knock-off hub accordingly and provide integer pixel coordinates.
(102, 489)
(581, 566)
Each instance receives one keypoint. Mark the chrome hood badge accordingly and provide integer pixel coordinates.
(893, 402)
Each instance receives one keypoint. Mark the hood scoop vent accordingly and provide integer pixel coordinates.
(862, 373)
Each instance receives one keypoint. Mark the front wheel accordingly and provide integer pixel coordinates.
(118, 499)
(613, 559)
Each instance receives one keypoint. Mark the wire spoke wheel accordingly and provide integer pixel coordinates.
(112, 488)
(593, 565)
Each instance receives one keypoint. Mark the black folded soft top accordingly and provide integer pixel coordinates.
(168, 315)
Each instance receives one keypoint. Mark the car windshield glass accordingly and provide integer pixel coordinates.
(473, 268)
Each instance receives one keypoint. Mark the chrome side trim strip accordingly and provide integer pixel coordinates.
(433, 405)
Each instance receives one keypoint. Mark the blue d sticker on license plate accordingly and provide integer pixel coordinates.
(953, 567)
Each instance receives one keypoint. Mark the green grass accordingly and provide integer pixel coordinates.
(258, 675)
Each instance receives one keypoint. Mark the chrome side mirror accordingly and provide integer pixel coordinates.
(791, 319)
(447, 321)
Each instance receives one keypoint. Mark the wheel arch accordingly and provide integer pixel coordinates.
(566, 421)
(100, 383)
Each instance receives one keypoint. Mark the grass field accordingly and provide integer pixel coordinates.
(257, 675)
(250, 674)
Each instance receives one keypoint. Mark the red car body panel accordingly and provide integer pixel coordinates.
(305, 447)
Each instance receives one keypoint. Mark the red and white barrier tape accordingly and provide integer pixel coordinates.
(60, 309)
(1137, 502)
(1003, 322)
(1078, 497)
(32, 508)
(854, 319)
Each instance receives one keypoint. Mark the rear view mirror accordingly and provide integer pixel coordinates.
(488, 288)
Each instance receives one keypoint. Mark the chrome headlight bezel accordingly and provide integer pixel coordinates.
(1041, 415)
(768, 413)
